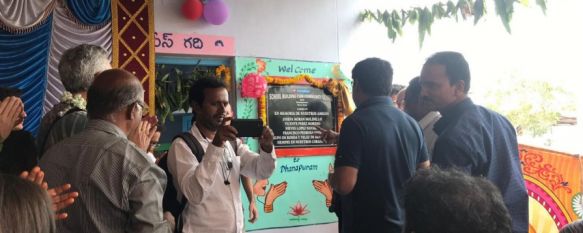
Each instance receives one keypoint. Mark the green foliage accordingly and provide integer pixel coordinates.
(504, 9)
(532, 106)
(395, 20)
(172, 87)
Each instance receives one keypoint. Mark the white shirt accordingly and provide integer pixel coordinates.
(212, 205)
(427, 126)
(150, 156)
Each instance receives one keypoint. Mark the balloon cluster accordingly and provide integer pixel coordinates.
(215, 12)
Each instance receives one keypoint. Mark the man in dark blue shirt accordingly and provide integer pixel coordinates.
(379, 149)
(477, 140)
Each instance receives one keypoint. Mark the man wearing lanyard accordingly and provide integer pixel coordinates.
(212, 186)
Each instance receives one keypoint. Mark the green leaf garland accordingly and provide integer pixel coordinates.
(396, 19)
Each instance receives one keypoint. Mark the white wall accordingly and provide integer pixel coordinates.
(284, 29)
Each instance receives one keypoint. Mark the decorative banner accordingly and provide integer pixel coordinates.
(25, 16)
(23, 65)
(553, 181)
(68, 33)
(247, 108)
(296, 194)
(194, 44)
(90, 12)
(133, 42)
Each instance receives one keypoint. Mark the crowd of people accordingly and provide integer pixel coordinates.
(422, 158)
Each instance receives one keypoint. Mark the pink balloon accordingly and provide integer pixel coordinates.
(216, 12)
(253, 86)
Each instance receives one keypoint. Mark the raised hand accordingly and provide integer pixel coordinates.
(266, 139)
(225, 133)
(10, 110)
(59, 195)
(61, 199)
(327, 135)
(143, 134)
(274, 192)
(36, 175)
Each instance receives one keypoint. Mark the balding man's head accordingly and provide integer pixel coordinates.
(111, 91)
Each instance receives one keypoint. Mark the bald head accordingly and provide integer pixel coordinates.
(111, 91)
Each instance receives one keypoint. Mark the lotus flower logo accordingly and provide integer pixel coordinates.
(299, 210)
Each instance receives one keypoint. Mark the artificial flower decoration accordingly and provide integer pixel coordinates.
(260, 65)
(253, 86)
(192, 9)
(75, 101)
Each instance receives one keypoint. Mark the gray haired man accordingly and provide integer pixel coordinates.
(77, 69)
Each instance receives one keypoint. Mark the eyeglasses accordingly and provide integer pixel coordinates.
(145, 107)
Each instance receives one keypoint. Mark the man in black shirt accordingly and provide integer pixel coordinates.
(379, 149)
(477, 140)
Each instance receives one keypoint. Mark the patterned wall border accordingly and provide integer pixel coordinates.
(133, 42)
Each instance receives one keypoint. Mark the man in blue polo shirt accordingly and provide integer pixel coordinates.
(477, 140)
(379, 149)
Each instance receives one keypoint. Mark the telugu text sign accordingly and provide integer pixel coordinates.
(193, 44)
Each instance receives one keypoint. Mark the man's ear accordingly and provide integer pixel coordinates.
(195, 107)
(460, 87)
(130, 110)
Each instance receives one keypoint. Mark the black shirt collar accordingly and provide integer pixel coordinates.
(376, 100)
(451, 114)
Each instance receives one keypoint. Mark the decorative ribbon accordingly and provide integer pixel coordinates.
(90, 12)
(67, 34)
(21, 17)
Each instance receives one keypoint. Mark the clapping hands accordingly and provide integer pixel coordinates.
(60, 196)
(143, 134)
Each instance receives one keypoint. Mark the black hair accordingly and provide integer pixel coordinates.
(196, 93)
(6, 92)
(374, 76)
(456, 67)
(395, 88)
(413, 92)
(451, 201)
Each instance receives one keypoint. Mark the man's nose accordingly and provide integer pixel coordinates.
(222, 108)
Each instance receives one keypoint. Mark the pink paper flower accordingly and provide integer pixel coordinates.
(253, 86)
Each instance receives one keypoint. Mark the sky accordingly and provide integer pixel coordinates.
(541, 47)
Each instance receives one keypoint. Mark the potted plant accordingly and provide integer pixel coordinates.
(172, 87)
